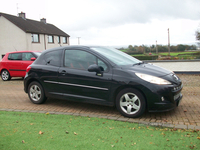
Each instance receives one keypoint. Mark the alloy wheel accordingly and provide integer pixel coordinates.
(35, 93)
(5, 75)
(130, 103)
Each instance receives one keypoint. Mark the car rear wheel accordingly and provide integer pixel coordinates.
(36, 93)
(130, 103)
(5, 75)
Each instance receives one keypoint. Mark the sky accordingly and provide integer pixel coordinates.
(115, 22)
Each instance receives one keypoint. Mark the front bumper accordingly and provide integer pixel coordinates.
(166, 105)
(164, 98)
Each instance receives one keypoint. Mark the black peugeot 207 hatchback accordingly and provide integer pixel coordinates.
(102, 75)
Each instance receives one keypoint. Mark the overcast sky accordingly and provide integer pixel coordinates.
(115, 22)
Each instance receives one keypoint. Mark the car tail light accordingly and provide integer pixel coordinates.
(28, 69)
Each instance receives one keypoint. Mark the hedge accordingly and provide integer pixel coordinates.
(150, 57)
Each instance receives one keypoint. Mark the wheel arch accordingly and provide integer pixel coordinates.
(37, 95)
(4, 69)
(132, 87)
(32, 80)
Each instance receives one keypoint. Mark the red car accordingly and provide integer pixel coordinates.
(14, 64)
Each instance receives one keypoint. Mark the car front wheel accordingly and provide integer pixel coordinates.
(5, 75)
(36, 93)
(130, 103)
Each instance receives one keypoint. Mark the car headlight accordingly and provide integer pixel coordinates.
(152, 79)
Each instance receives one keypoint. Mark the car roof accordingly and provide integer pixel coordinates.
(72, 46)
(22, 51)
(65, 47)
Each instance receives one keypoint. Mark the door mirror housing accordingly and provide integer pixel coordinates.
(97, 69)
(33, 59)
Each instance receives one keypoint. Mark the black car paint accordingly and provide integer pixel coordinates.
(80, 85)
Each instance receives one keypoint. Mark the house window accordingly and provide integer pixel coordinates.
(35, 38)
(58, 38)
(50, 39)
(64, 40)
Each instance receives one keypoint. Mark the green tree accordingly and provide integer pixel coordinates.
(198, 35)
(140, 49)
(130, 47)
(121, 48)
(193, 47)
(162, 48)
(173, 48)
(181, 47)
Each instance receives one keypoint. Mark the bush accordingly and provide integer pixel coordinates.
(197, 55)
(133, 53)
(168, 58)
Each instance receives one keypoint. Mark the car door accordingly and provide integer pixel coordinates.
(48, 72)
(14, 64)
(77, 83)
(26, 61)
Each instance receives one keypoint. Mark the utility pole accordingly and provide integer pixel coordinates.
(78, 40)
(17, 9)
(156, 48)
(168, 43)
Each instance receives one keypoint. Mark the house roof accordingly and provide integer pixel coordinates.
(32, 26)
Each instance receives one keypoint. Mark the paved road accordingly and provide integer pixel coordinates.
(187, 115)
(179, 66)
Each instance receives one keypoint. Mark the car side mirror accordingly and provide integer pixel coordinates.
(33, 59)
(95, 68)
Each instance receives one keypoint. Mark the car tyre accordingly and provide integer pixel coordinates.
(36, 93)
(130, 103)
(5, 75)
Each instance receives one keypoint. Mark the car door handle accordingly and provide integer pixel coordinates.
(62, 72)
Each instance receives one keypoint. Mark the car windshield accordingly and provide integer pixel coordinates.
(116, 56)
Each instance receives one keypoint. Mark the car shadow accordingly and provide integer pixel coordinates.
(101, 110)
(17, 79)
(81, 107)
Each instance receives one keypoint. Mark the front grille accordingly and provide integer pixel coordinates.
(177, 88)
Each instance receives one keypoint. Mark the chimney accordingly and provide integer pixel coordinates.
(22, 15)
(43, 20)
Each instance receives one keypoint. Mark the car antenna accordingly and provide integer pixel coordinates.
(15, 48)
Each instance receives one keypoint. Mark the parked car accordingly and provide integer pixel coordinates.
(102, 75)
(14, 64)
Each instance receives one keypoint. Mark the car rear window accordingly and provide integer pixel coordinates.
(53, 58)
(15, 56)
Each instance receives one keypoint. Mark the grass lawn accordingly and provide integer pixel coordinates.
(177, 53)
(46, 131)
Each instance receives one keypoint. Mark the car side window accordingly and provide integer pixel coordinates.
(15, 56)
(78, 59)
(53, 58)
(102, 64)
(27, 56)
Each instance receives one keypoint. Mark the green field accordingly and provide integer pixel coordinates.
(177, 53)
(49, 132)
(165, 56)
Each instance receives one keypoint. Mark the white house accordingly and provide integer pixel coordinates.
(19, 33)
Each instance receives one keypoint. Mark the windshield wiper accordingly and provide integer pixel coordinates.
(142, 62)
